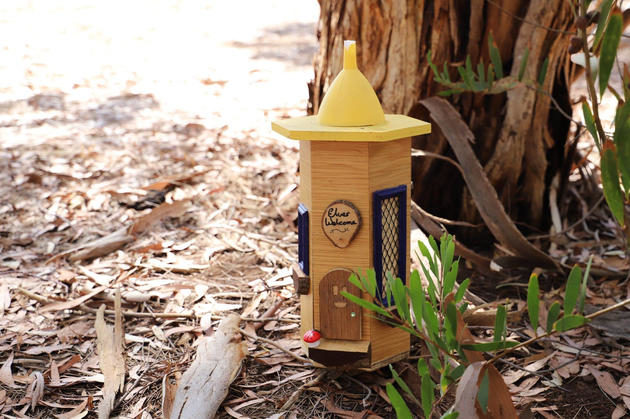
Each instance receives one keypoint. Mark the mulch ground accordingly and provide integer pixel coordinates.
(142, 162)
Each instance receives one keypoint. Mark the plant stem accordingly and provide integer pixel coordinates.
(588, 76)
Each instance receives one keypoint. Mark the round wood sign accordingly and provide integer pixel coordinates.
(341, 222)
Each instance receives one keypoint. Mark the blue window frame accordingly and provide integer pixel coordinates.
(303, 237)
(390, 235)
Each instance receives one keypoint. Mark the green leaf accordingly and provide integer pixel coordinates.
(400, 299)
(457, 372)
(590, 123)
(483, 393)
(402, 411)
(495, 57)
(603, 21)
(500, 324)
(431, 321)
(416, 293)
(462, 290)
(583, 285)
(425, 252)
(465, 77)
(533, 301)
(427, 395)
(354, 280)
(569, 322)
(552, 316)
(481, 71)
(490, 76)
(521, 71)
(543, 72)
(401, 383)
(450, 325)
(446, 74)
(370, 282)
(366, 304)
(490, 346)
(433, 67)
(449, 278)
(423, 367)
(610, 182)
(608, 53)
(450, 415)
(622, 141)
(572, 290)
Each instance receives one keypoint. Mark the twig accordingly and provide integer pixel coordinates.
(369, 390)
(45, 300)
(289, 403)
(265, 318)
(275, 345)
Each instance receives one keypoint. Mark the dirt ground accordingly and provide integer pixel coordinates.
(147, 124)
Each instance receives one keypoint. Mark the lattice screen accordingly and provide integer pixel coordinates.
(390, 237)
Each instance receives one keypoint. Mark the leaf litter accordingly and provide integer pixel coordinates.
(116, 189)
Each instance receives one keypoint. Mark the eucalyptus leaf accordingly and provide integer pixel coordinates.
(622, 141)
(500, 324)
(416, 293)
(608, 54)
(543, 72)
(589, 120)
(402, 411)
(354, 280)
(610, 182)
(604, 11)
(533, 301)
(552, 315)
(400, 299)
(570, 322)
(572, 290)
(521, 71)
(461, 291)
(366, 304)
(495, 57)
(427, 395)
(401, 383)
(587, 271)
(484, 392)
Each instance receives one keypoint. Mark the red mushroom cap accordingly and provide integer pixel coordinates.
(312, 338)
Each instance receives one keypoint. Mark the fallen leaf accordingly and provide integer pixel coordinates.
(5, 298)
(605, 381)
(467, 389)
(158, 213)
(6, 377)
(36, 389)
(67, 305)
(619, 412)
(110, 355)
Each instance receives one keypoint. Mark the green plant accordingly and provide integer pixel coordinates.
(434, 315)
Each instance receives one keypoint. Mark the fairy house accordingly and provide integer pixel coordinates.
(355, 180)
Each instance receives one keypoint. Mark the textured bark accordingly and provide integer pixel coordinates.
(519, 139)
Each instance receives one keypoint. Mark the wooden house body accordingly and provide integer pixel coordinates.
(355, 184)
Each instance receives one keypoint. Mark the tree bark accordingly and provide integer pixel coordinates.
(519, 136)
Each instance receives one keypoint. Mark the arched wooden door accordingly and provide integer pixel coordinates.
(339, 318)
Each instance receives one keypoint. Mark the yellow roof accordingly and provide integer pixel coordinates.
(350, 111)
(309, 128)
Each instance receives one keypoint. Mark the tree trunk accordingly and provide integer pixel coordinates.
(520, 135)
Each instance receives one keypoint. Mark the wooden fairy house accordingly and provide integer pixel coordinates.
(355, 180)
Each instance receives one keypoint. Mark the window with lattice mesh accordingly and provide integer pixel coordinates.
(390, 240)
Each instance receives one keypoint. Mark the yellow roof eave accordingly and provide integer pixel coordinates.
(308, 128)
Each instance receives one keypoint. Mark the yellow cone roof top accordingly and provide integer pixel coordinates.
(351, 111)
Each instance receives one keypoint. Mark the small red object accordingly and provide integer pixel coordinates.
(312, 338)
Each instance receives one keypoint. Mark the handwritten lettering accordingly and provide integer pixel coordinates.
(336, 218)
